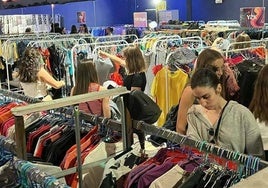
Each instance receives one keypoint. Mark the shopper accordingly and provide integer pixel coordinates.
(73, 29)
(86, 82)
(134, 63)
(224, 123)
(83, 29)
(259, 105)
(208, 58)
(241, 41)
(33, 76)
(28, 30)
(109, 31)
(135, 79)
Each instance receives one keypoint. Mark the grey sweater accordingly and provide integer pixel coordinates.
(238, 130)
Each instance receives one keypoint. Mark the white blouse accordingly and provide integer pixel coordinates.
(35, 89)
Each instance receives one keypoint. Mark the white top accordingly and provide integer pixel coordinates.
(35, 89)
(264, 134)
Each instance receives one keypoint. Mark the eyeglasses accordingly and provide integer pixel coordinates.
(211, 132)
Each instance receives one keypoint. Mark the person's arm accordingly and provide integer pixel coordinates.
(113, 58)
(106, 105)
(48, 79)
(254, 145)
(72, 91)
(186, 101)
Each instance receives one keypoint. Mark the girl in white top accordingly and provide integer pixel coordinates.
(33, 76)
(259, 105)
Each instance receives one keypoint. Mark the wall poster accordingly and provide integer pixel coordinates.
(253, 17)
(81, 17)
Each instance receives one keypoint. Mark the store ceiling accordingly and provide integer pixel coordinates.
(8, 4)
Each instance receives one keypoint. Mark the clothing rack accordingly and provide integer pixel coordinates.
(115, 37)
(253, 45)
(92, 48)
(18, 112)
(38, 177)
(76, 36)
(15, 95)
(163, 40)
(201, 145)
(8, 45)
(49, 42)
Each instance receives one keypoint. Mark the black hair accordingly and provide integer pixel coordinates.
(204, 77)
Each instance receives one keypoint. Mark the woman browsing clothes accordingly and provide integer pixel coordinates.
(224, 123)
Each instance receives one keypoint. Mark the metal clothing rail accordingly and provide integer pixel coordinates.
(15, 95)
(253, 44)
(115, 37)
(18, 112)
(36, 175)
(201, 145)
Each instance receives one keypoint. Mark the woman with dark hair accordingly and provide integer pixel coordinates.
(33, 76)
(83, 29)
(73, 29)
(208, 58)
(86, 82)
(259, 105)
(109, 31)
(224, 123)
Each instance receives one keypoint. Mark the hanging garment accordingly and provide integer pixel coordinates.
(104, 68)
(248, 72)
(167, 89)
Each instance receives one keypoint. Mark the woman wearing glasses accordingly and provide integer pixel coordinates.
(224, 123)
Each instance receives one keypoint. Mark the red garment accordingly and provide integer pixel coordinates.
(116, 76)
(41, 130)
(45, 54)
(92, 107)
(51, 136)
(71, 153)
(157, 68)
(74, 178)
(10, 122)
(6, 113)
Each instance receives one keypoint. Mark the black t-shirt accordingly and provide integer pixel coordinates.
(135, 80)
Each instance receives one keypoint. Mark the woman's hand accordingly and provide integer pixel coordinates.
(103, 54)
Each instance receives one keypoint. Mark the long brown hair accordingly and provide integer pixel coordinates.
(135, 62)
(86, 73)
(207, 57)
(30, 64)
(259, 102)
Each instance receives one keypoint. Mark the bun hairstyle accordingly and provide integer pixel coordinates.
(204, 77)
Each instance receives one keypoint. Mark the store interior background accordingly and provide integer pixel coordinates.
(118, 12)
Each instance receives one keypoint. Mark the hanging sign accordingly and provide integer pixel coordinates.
(166, 15)
(253, 17)
(140, 19)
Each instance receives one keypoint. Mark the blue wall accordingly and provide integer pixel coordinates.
(117, 12)
(229, 9)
